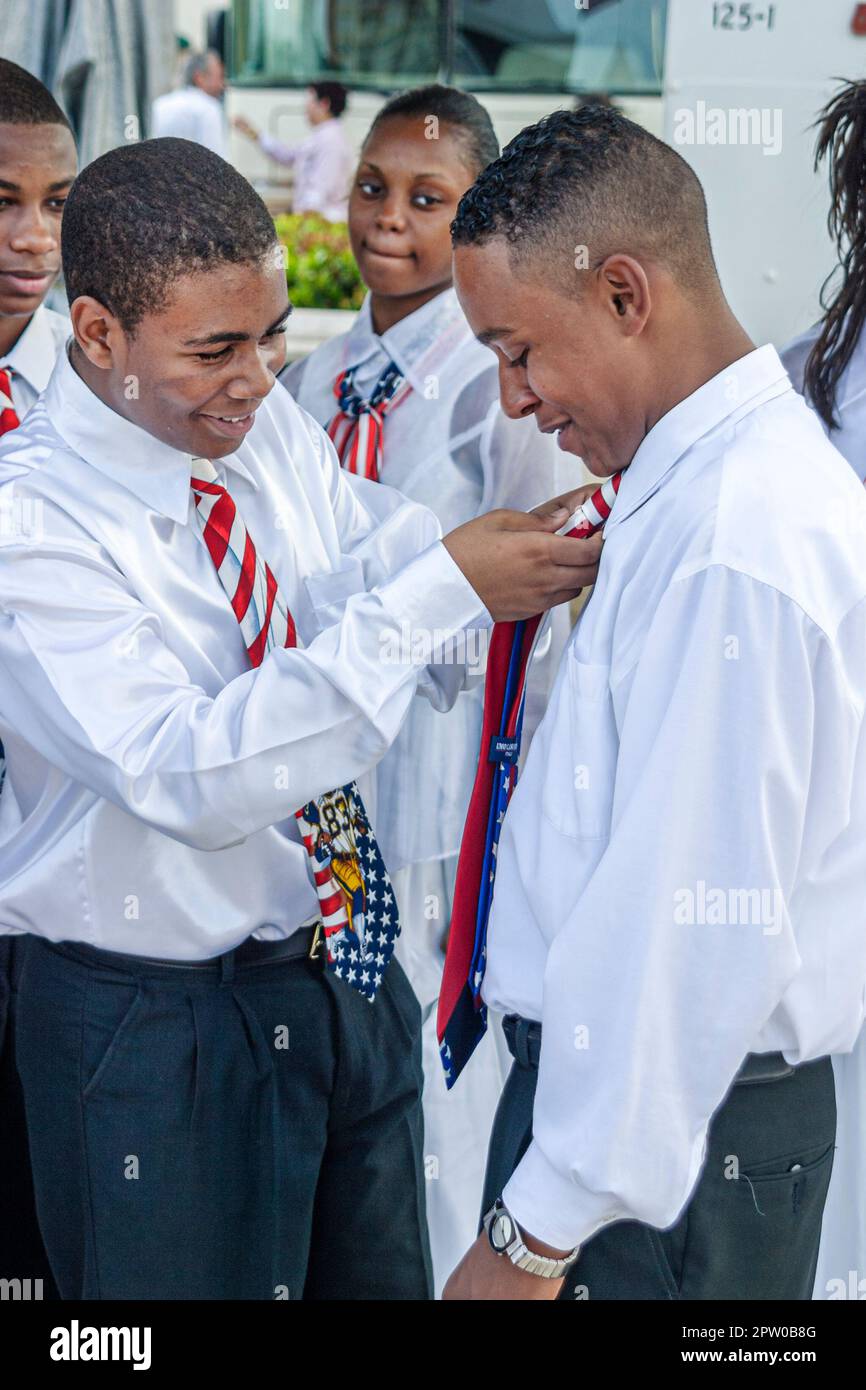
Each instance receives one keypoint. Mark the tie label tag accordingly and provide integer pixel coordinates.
(503, 750)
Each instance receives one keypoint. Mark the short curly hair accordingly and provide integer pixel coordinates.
(143, 215)
(590, 179)
(24, 100)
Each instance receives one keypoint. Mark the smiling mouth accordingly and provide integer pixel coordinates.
(554, 429)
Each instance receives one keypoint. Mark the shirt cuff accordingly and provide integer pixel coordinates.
(553, 1208)
(431, 601)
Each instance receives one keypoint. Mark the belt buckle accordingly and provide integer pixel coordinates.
(315, 948)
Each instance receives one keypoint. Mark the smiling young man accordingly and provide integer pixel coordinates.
(677, 930)
(37, 166)
(193, 609)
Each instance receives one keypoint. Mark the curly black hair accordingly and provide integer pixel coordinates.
(142, 215)
(842, 136)
(591, 179)
(24, 100)
(464, 116)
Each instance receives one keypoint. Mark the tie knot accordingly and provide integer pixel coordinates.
(354, 405)
(203, 475)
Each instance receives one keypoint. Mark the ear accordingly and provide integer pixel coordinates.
(97, 331)
(624, 288)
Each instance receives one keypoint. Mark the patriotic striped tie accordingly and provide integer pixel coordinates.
(359, 912)
(462, 1015)
(8, 414)
(356, 429)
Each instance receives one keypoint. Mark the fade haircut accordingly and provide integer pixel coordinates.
(465, 117)
(590, 178)
(143, 215)
(24, 100)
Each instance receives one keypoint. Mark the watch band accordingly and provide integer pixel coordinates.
(503, 1234)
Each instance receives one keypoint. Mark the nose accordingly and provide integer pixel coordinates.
(34, 233)
(390, 216)
(254, 376)
(515, 394)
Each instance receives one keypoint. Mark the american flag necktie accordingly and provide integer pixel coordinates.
(462, 1015)
(8, 414)
(359, 912)
(356, 428)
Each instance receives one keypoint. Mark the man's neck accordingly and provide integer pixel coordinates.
(10, 331)
(698, 359)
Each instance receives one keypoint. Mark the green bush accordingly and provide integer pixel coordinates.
(321, 272)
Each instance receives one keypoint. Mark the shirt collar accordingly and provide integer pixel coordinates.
(409, 341)
(736, 391)
(153, 471)
(32, 356)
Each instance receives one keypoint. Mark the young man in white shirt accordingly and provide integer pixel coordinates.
(215, 1107)
(37, 166)
(677, 929)
(195, 111)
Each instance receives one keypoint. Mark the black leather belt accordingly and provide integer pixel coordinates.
(523, 1036)
(303, 942)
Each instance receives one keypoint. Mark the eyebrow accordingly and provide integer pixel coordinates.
(52, 187)
(435, 174)
(491, 334)
(237, 337)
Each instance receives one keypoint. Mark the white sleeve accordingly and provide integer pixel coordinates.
(648, 1012)
(87, 678)
(275, 149)
(432, 604)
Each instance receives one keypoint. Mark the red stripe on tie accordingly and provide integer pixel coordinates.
(241, 600)
(218, 527)
(256, 650)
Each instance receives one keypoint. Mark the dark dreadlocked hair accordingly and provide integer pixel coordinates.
(591, 176)
(842, 135)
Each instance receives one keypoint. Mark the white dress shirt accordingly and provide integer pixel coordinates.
(152, 776)
(850, 438)
(31, 359)
(447, 445)
(323, 165)
(190, 114)
(682, 870)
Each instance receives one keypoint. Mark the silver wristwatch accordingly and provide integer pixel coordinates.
(504, 1236)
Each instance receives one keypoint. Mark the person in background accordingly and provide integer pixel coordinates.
(828, 363)
(37, 166)
(195, 111)
(445, 442)
(323, 161)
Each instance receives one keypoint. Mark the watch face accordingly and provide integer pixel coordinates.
(501, 1231)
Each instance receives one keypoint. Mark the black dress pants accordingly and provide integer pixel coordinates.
(753, 1224)
(246, 1130)
(23, 1261)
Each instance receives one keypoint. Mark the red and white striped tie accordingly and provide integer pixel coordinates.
(359, 920)
(8, 414)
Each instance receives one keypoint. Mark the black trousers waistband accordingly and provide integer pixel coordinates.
(523, 1036)
(250, 953)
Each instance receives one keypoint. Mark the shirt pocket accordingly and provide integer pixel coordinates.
(329, 591)
(581, 753)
